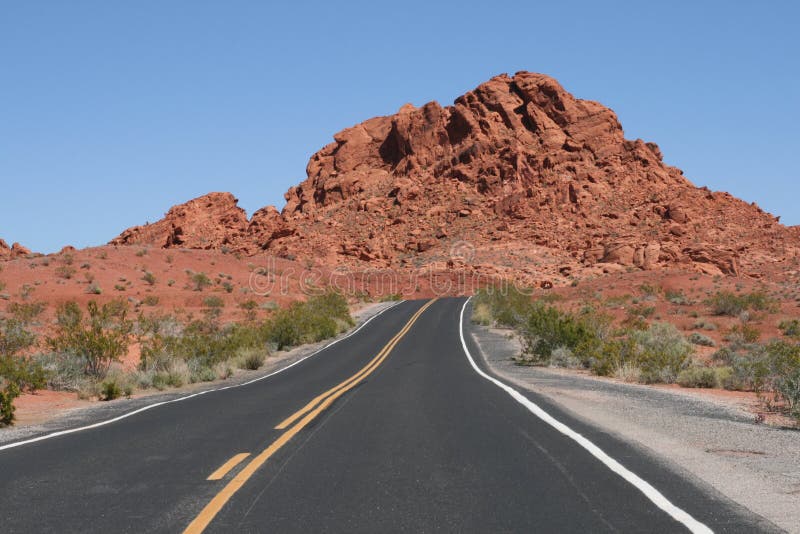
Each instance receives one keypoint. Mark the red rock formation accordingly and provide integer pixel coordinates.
(208, 222)
(14, 251)
(535, 179)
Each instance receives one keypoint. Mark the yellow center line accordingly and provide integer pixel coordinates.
(227, 466)
(366, 369)
(210, 511)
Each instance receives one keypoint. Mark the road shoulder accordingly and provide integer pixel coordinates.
(715, 442)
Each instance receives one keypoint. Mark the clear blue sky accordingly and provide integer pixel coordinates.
(111, 112)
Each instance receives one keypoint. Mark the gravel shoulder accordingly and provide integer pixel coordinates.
(64, 415)
(712, 440)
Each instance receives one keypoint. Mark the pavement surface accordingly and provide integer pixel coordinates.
(393, 429)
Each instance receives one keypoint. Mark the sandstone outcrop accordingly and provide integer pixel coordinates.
(530, 176)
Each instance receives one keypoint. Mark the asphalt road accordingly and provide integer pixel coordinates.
(390, 430)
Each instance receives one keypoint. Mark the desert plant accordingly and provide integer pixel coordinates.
(790, 327)
(663, 352)
(110, 390)
(98, 338)
(65, 271)
(8, 392)
(697, 377)
(696, 338)
(149, 278)
(200, 281)
(731, 304)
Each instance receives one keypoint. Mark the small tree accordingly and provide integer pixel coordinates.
(98, 339)
(200, 281)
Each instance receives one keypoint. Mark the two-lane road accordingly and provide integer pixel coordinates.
(396, 428)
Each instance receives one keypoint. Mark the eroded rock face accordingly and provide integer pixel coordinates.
(14, 251)
(208, 222)
(516, 165)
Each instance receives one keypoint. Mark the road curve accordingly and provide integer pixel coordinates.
(393, 429)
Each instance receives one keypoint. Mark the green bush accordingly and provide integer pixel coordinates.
(202, 374)
(149, 278)
(110, 390)
(508, 306)
(26, 312)
(698, 377)
(17, 372)
(200, 281)
(98, 339)
(8, 392)
(663, 352)
(318, 318)
(731, 304)
(253, 360)
(696, 338)
(547, 328)
(790, 328)
(213, 302)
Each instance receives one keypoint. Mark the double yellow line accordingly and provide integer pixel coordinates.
(306, 414)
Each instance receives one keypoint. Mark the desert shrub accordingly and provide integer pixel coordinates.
(704, 325)
(607, 357)
(676, 297)
(65, 372)
(731, 304)
(481, 314)
(228, 287)
(149, 278)
(8, 392)
(790, 327)
(663, 352)
(110, 390)
(201, 373)
(547, 328)
(98, 338)
(151, 300)
(696, 338)
(200, 281)
(697, 377)
(253, 359)
(94, 289)
(741, 334)
(318, 318)
(507, 305)
(65, 271)
(249, 305)
(26, 312)
(391, 297)
(14, 337)
(22, 371)
(213, 302)
(564, 357)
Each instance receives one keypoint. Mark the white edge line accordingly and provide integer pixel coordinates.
(642, 485)
(179, 399)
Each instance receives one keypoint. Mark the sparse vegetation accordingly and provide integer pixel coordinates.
(733, 305)
(699, 339)
(97, 338)
(200, 281)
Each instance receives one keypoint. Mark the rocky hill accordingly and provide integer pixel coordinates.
(517, 175)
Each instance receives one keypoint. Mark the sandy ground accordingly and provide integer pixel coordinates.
(712, 437)
(51, 411)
